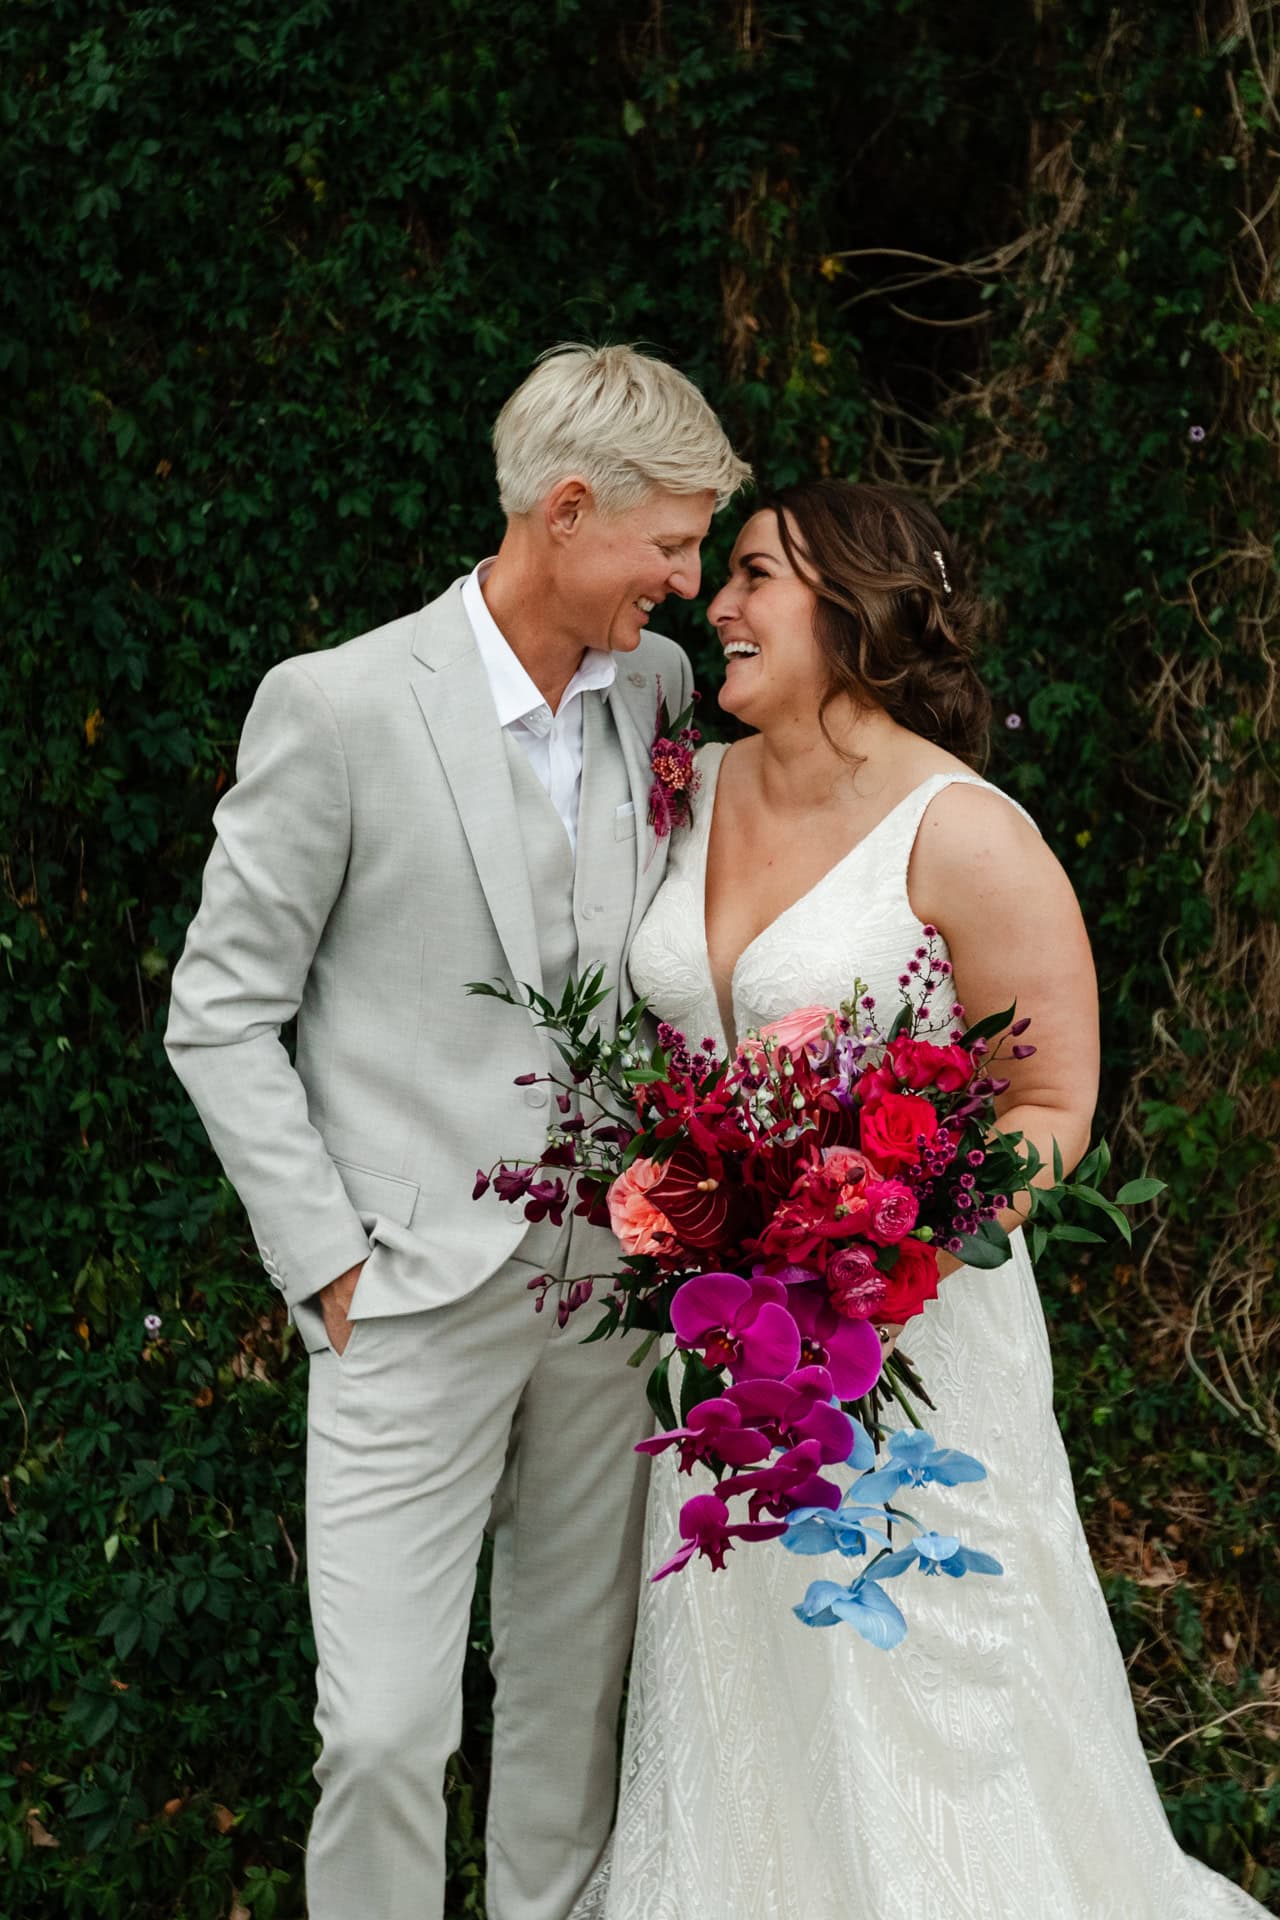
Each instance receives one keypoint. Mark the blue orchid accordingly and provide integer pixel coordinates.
(936, 1553)
(864, 1605)
(863, 1452)
(914, 1460)
(849, 1530)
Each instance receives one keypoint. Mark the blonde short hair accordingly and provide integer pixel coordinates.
(622, 421)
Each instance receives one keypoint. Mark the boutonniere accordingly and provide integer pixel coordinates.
(675, 778)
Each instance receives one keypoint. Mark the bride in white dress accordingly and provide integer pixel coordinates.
(989, 1768)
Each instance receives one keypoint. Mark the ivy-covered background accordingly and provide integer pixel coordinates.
(268, 269)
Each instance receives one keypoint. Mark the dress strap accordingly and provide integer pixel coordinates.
(708, 760)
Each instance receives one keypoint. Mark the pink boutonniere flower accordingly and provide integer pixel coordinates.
(675, 778)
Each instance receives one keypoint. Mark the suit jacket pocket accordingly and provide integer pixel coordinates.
(624, 821)
(384, 1194)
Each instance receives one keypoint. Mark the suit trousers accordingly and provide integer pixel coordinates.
(429, 1427)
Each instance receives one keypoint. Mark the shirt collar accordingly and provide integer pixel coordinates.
(515, 695)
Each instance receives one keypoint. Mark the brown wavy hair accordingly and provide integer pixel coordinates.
(896, 620)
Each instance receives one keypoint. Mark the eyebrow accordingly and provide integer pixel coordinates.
(744, 557)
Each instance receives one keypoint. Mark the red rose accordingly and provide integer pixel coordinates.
(913, 1281)
(918, 1063)
(891, 1129)
(873, 1084)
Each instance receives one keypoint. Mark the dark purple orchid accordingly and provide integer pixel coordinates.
(705, 1528)
(849, 1350)
(713, 1430)
(547, 1201)
(739, 1324)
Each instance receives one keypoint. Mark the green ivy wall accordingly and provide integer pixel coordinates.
(269, 269)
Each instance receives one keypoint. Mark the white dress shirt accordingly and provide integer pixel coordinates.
(552, 742)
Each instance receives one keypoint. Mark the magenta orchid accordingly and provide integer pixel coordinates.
(796, 1409)
(849, 1350)
(705, 1529)
(713, 1430)
(791, 1481)
(740, 1324)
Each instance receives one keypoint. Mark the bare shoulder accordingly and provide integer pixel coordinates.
(976, 846)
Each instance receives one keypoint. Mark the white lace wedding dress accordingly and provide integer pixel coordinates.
(988, 1768)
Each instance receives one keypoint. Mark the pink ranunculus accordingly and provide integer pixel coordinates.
(890, 1132)
(891, 1211)
(806, 1027)
(637, 1223)
(855, 1284)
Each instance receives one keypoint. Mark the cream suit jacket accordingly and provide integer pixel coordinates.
(368, 865)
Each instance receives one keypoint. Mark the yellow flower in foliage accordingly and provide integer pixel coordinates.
(93, 727)
(830, 267)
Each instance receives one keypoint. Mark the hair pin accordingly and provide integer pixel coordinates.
(942, 569)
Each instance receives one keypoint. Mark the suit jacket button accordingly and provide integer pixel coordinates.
(535, 1096)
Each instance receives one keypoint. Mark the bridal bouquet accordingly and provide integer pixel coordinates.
(776, 1211)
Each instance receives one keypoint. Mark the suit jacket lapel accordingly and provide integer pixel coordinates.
(452, 690)
(633, 701)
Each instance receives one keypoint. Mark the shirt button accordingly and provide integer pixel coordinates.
(588, 913)
(535, 1096)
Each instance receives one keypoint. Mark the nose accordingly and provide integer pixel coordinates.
(686, 578)
(723, 607)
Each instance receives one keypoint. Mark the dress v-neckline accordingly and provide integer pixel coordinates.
(729, 1030)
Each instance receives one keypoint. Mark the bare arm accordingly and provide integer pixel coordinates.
(984, 877)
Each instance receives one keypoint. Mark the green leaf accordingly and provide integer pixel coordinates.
(901, 1023)
(1135, 1192)
(987, 1029)
(658, 1394)
(698, 1383)
(989, 1247)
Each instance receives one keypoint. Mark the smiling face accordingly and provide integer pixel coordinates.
(612, 570)
(774, 667)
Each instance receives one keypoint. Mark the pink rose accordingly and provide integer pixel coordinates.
(892, 1211)
(890, 1130)
(636, 1222)
(806, 1027)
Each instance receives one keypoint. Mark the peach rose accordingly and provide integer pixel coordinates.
(636, 1222)
(855, 1173)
